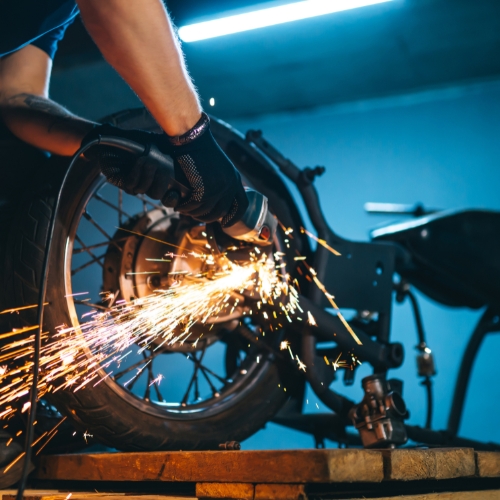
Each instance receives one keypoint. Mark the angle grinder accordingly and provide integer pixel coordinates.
(256, 226)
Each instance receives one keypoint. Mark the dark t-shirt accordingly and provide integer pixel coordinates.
(37, 22)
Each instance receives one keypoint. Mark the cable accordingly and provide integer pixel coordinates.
(425, 369)
(418, 317)
(38, 333)
(427, 383)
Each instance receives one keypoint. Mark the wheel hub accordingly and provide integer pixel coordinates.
(160, 250)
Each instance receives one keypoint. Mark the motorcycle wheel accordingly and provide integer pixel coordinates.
(229, 399)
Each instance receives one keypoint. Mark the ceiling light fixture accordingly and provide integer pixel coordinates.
(270, 16)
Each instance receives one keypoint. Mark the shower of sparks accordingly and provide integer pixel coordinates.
(320, 241)
(300, 364)
(157, 380)
(338, 363)
(160, 319)
(87, 435)
(310, 319)
(17, 309)
(76, 357)
(14, 462)
(333, 304)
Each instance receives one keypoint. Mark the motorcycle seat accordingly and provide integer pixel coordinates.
(455, 255)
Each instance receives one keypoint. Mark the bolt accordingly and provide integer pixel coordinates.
(230, 445)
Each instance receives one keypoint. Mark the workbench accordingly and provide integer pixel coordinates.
(408, 473)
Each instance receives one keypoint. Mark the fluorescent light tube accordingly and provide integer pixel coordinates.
(268, 17)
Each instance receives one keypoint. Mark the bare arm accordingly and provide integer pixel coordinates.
(26, 109)
(137, 38)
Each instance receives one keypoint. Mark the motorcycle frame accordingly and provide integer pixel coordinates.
(364, 276)
(362, 269)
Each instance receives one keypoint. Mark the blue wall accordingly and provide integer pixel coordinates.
(440, 148)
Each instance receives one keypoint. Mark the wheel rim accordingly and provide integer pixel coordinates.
(207, 387)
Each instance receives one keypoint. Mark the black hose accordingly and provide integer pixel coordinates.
(418, 317)
(444, 438)
(427, 382)
(38, 333)
(457, 406)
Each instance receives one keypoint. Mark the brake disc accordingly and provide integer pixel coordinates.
(158, 250)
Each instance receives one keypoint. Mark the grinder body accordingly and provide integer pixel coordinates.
(257, 225)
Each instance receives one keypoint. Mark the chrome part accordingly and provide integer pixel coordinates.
(257, 225)
(379, 417)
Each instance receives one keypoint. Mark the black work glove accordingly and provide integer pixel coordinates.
(134, 174)
(200, 164)
(217, 191)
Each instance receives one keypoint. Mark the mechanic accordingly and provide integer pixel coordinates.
(138, 39)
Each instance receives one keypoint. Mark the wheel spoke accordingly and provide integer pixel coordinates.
(218, 377)
(212, 386)
(196, 390)
(91, 305)
(135, 365)
(149, 202)
(96, 259)
(100, 229)
(137, 377)
(97, 245)
(152, 382)
(205, 369)
(120, 207)
(158, 393)
(149, 381)
(121, 212)
(194, 378)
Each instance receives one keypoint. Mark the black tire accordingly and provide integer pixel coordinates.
(108, 411)
(28, 179)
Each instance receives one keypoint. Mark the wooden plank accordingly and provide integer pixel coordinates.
(457, 495)
(280, 492)
(454, 462)
(80, 495)
(236, 491)
(438, 463)
(283, 466)
(487, 464)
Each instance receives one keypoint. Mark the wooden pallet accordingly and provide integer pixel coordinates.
(287, 474)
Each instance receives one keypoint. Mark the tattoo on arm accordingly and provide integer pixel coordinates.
(55, 113)
(44, 105)
(38, 103)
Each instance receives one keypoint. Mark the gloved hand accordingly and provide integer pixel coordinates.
(134, 174)
(199, 162)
